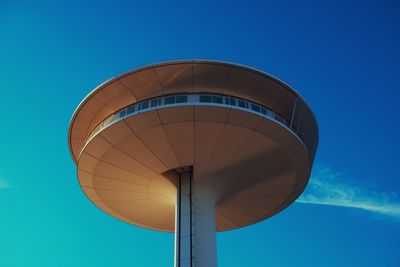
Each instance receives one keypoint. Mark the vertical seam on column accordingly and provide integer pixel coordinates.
(191, 214)
(179, 219)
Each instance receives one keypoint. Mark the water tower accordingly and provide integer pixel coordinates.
(193, 147)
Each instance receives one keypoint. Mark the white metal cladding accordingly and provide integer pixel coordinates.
(299, 123)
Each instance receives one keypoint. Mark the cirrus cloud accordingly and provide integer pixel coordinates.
(327, 187)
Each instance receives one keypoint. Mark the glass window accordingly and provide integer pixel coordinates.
(181, 98)
(205, 98)
(169, 100)
(131, 109)
(263, 111)
(242, 103)
(153, 103)
(232, 101)
(108, 120)
(122, 113)
(255, 107)
(217, 99)
(145, 105)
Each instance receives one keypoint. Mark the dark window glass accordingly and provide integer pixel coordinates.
(153, 103)
(242, 103)
(205, 98)
(232, 101)
(227, 100)
(264, 111)
(217, 99)
(255, 107)
(122, 113)
(131, 109)
(169, 100)
(181, 98)
(145, 105)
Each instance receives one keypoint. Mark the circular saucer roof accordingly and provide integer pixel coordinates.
(253, 164)
(184, 76)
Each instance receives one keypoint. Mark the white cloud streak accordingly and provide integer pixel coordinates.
(326, 187)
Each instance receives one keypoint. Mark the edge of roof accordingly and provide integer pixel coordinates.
(181, 61)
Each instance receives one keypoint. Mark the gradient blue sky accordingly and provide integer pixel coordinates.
(342, 56)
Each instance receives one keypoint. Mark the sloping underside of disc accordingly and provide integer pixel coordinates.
(253, 166)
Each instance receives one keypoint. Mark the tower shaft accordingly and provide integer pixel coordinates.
(195, 228)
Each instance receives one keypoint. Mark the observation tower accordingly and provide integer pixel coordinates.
(193, 147)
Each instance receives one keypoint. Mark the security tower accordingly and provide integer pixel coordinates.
(193, 147)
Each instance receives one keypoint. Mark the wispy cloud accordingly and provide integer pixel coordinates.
(4, 183)
(328, 187)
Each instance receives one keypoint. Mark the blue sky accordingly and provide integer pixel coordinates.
(342, 56)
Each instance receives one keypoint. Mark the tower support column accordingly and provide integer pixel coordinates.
(195, 227)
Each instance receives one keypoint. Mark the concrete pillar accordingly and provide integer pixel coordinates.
(205, 247)
(195, 228)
